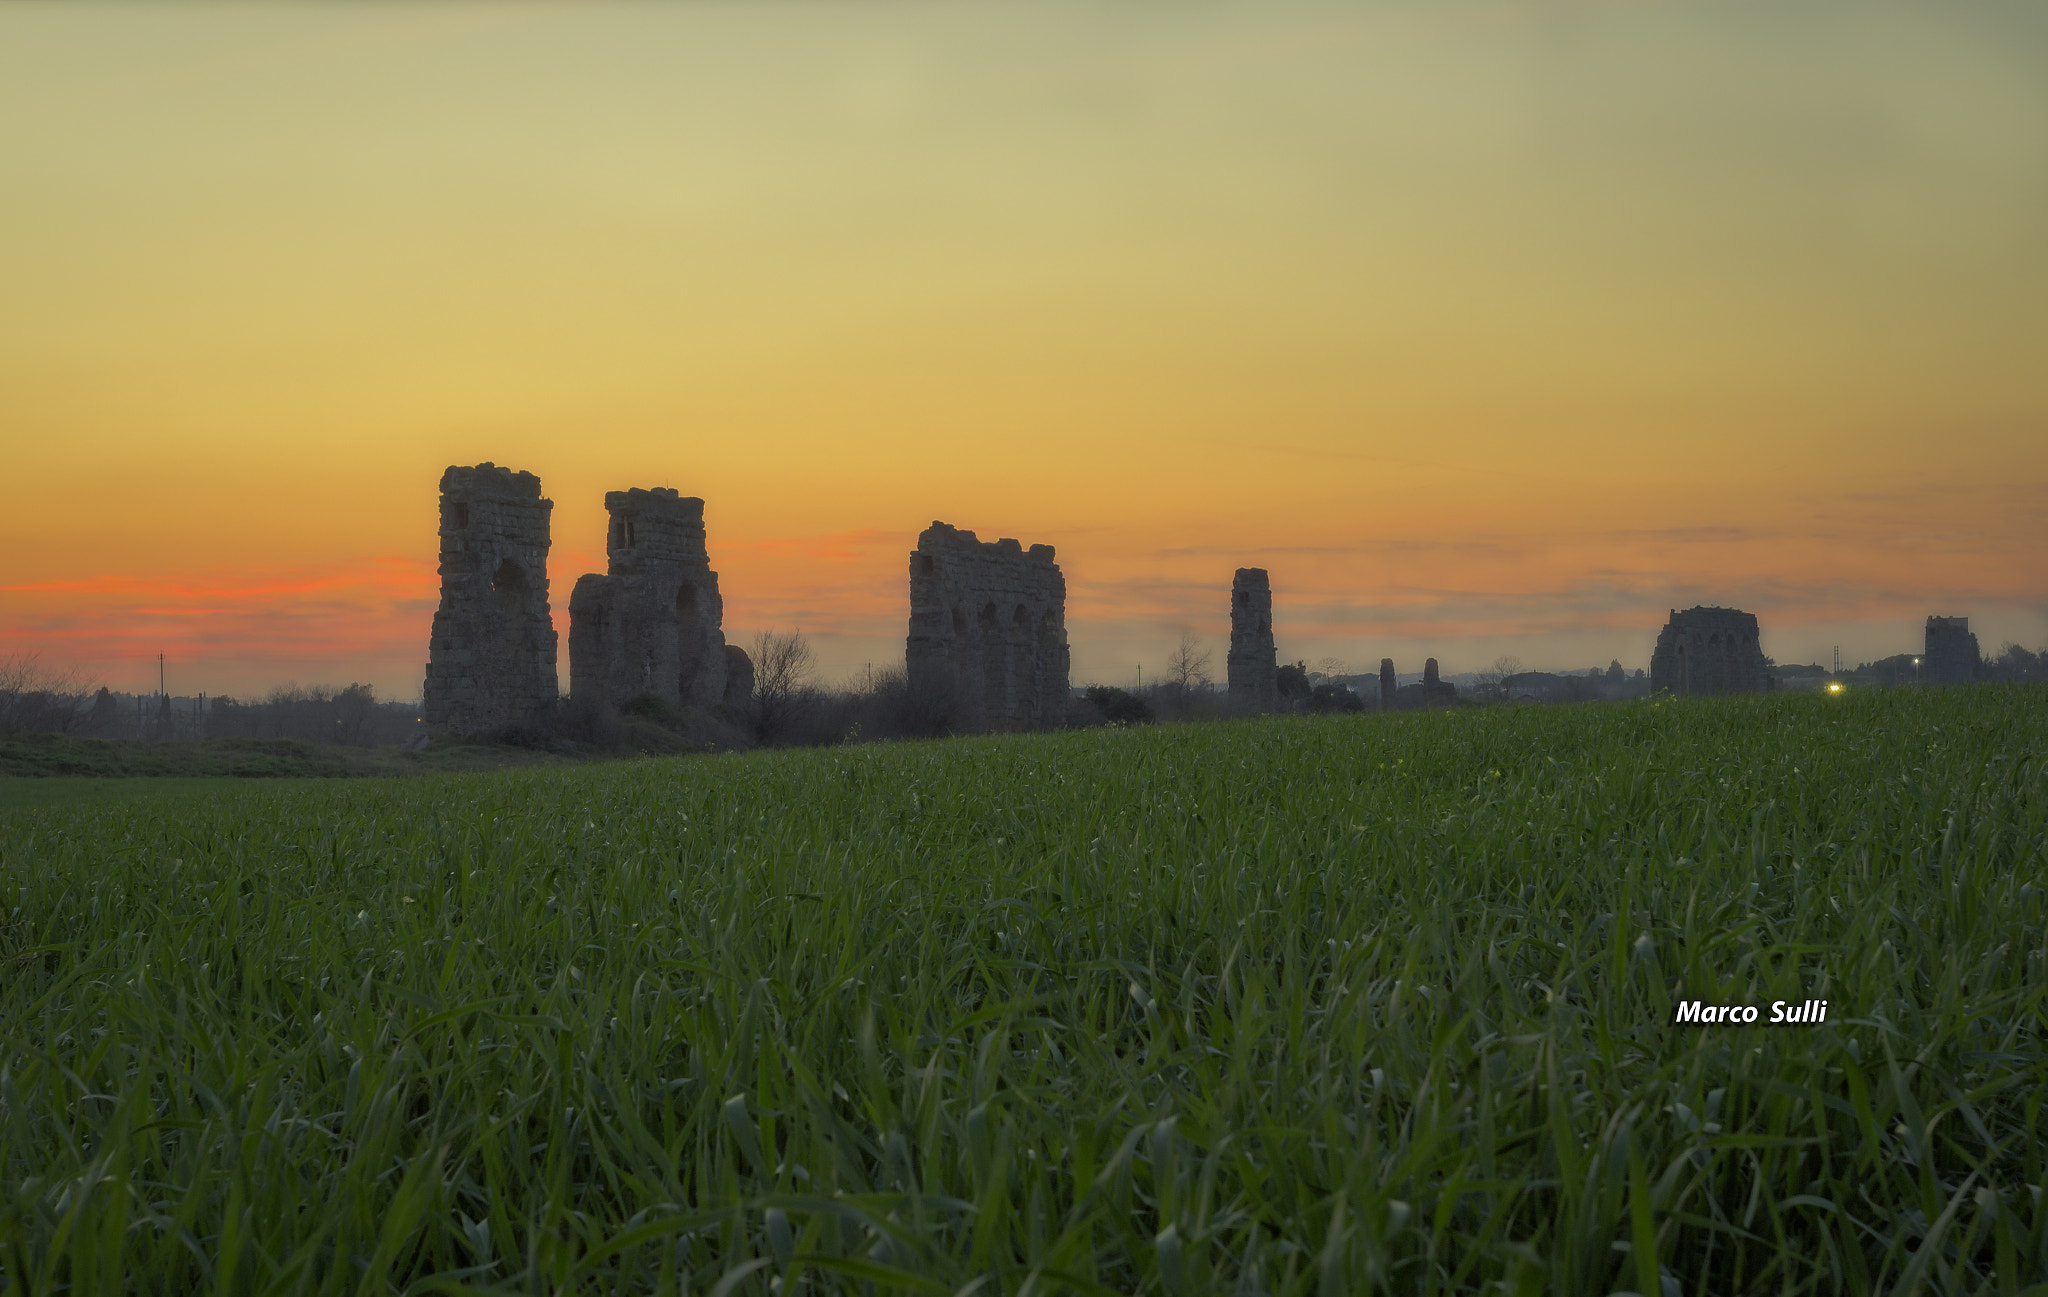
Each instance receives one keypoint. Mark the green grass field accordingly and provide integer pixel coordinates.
(1290, 1006)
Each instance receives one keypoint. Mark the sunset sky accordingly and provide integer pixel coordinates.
(1485, 327)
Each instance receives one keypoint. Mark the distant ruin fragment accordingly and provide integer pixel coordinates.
(988, 631)
(1253, 664)
(1387, 684)
(1951, 656)
(491, 661)
(653, 623)
(1436, 691)
(1709, 651)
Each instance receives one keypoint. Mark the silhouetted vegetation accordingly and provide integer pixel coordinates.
(1331, 698)
(349, 716)
(37, 700)
(1293, 686)
(2016, 664)
(1119, 706)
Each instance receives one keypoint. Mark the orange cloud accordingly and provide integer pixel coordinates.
(231, 631)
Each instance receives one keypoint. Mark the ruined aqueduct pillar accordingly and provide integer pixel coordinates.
(491, 661)
(653, 623)
(988, 630)
(1252, 667)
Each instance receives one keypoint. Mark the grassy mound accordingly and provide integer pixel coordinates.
(1290, 1006)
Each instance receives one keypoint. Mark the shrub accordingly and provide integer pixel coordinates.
(1119, 706)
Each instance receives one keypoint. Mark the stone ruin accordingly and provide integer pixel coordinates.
(1253, 665)
(653, 624)
(1709, 651)
(491, 661)
(1951, 656)
(988, 631)
(1436, 691)
(1387, 684)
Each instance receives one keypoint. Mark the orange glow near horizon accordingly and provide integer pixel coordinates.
(1486, 328)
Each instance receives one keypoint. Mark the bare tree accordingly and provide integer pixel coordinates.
(1187, 670)
(782, 672)
(1331, 669)
(1493, 682)
(36, 699)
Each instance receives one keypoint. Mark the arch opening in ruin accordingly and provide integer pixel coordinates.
(1709, 651)
(509, 583)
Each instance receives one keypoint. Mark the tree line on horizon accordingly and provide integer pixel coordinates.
(790, 708)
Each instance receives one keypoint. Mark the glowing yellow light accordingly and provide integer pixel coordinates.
(1834, 688)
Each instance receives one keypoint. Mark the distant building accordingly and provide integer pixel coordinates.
(1709, 651)
(1436, 691)
(1951, 657)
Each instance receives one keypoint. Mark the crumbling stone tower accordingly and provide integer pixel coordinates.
(653, 624)
(1386, 684)
(1709, 651)
(1253, 665)
(988, 630)
(491, 661)
(1951, 656)
(1436, 691)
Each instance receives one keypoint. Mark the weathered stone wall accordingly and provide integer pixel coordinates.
(653, 623)
(1436, 691)
(988, 630)
(1709, 651)
(1951, 656)
(491, 661)
(739, 674)
(1252, 666)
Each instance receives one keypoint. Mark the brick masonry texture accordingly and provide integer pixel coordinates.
(1709, 651)
(988, 630)
(653, 623)
(491, 661)
(1951, 656)
(1252, 667)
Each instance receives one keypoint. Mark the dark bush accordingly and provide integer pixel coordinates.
(1119, 706)
(523, 734)
(1334, 698)
(1293, 687)
(652, 706)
